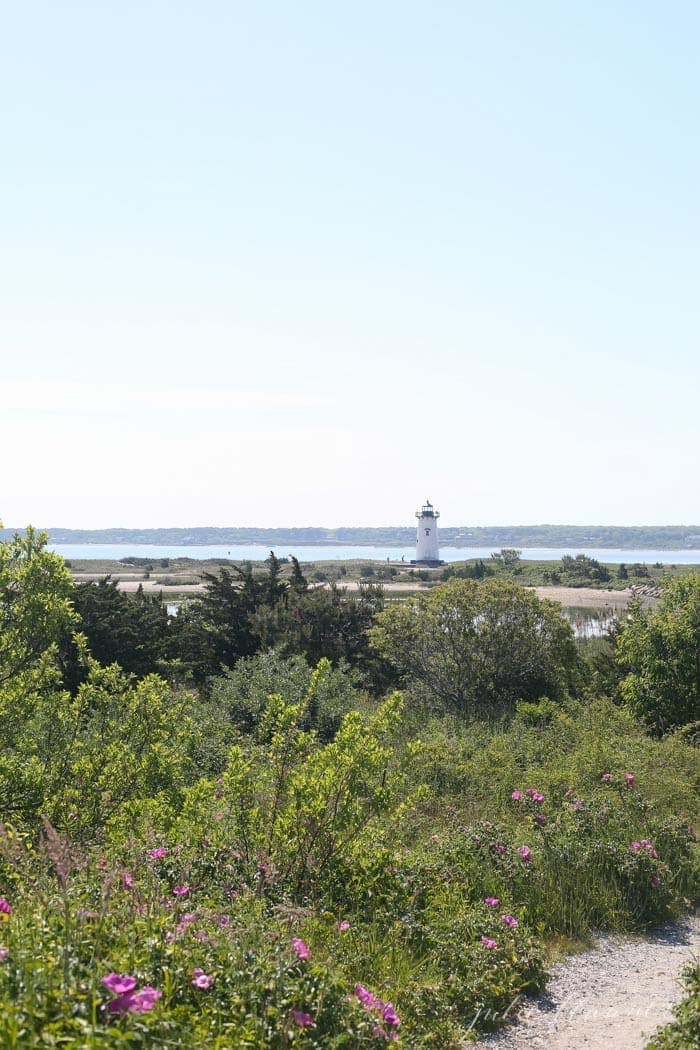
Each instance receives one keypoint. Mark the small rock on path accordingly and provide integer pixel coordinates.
(612, 997)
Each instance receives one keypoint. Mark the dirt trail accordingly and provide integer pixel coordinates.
(612, 997)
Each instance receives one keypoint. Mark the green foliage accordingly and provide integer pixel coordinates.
(682, 1034)
(582, 569)
(131, 630)
(35, 608)
(508, 558)
(240, 697)
(285, 858)
(470, 647)
(660, 650)
(294, 804)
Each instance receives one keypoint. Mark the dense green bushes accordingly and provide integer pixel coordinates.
(288, 861)
(470, 648)
(660, 650)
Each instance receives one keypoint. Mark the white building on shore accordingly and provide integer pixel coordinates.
(427, 549)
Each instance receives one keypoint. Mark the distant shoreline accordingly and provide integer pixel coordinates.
(619, 537)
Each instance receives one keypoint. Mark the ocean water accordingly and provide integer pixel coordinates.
(258, 552)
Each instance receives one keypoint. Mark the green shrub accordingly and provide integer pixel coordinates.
(682, 1034)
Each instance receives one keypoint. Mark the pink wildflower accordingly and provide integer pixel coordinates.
(5, 908)
(201, 979)
(606, 776)
(158, 853)
(144, 1000)
(525, 853)
(181, 891)
(500, 849)
(654, 882)
(119, 983)
(365, 996)
(536, 797)
(488, 943)
(4, 952)
(343, 926)
(218, 816)
(578, 804)
(304, 1020)
(509, 920)
(390, 1016)
(516, 796)
(301, 949)
(224, 920)
(121, 1004)
(492, 902)
(629, 777)
(128, 880)
(569, 793)
(635, 846)
(539, 819)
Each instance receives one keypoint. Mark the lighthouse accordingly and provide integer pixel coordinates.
(427, 550)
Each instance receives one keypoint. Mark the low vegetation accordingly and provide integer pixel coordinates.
(272, 822)
(682, 1033)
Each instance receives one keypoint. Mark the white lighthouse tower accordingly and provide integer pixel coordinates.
(427, 550)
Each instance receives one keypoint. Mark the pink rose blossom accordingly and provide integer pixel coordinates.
(143, 1000)
(200, 979)
(301, 949)
(368, 1000)
(119, 983)
(389, 1015)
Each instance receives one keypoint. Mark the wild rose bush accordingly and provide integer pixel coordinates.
(97, 959)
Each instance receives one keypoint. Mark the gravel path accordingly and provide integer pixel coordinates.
(612, 997)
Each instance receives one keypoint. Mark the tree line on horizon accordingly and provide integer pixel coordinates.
(659, 537)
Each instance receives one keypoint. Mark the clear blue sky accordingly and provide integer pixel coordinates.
(309, 263)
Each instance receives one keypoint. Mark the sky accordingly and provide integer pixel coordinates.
(310, 263)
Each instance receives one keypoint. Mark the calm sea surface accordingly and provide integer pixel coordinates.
(253, 552)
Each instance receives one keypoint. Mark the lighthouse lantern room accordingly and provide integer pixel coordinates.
(427, 550)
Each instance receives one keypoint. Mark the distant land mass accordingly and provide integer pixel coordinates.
(624, 537)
